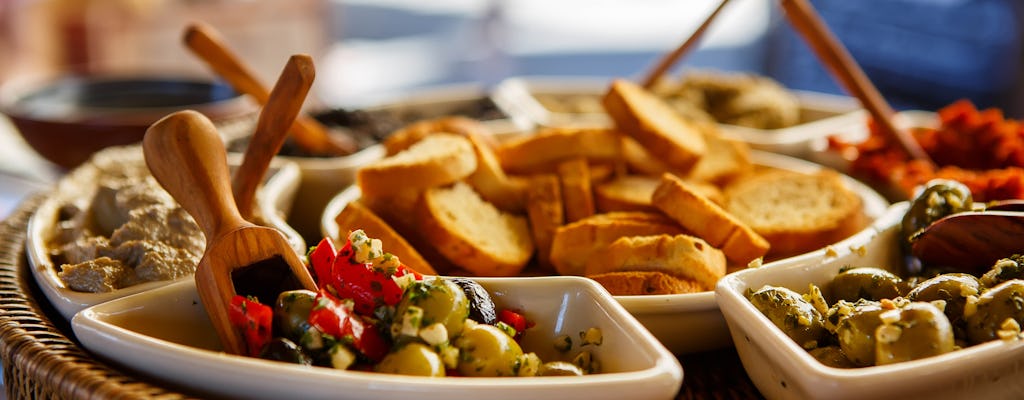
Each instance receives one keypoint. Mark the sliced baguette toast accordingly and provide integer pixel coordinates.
(541, 151)
(634, 283)
(408, 135)
(546, 212)
(574, 243)
(796, 212)
(356, 216)
(437, 160)
(491, 181)
(683, 256)
(472, 233)
(704, 218)
(626, 193)
(725, 160)
(654, 124)
(577, 193)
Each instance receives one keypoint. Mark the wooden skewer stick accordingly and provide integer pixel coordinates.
(840, 63)
(206, 43)
(671, 58)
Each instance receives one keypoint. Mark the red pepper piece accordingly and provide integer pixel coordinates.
(515, 320)
(254, 320)
(322, 260)
(336, 318)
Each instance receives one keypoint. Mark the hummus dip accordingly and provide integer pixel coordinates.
(117, 227)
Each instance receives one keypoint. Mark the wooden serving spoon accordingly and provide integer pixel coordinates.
(282, 107)
(972, 241)
(186, 155)
(671, 58)
(805, 19)
(206, 43)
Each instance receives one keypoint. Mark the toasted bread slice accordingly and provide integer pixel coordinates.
(639, 160)
(545, 209)
(356, 216)
(725, 160)
(634, 283)
(472, 233)
(491, 182)
(707, 220)
(633, 193)
(577, 194)
(653, 123)
(683, 256)
(796, 212)
(573, 244)
(541, 152)
(408, 135)
(437, 160)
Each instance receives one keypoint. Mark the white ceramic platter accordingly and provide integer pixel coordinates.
(783, 370)
(165, 334)
(685, 323)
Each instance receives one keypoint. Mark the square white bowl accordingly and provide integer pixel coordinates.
(781, 369)
(166, 335)
(685, 323)
(824, 114)
(273, 199)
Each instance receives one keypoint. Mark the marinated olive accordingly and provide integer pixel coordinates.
(953, 288)
(281, 349)
(855, 330)
(865, 283)
(559, 368)
(914, 331)
(412, 359)
(481, 307)
(939, 198)
(797, 318)
(1003, 270)
(291, 313)
(485, 350)
(994, 307)
(440, 301)
(832, 356)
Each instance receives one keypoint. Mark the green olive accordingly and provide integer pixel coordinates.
(291, 313)
(832, 356)
(855, 330)
(412, 359)
(441, 301)
(915, 331)
(559, 368)
(939, 198)
(994, 307)
(797, 318)
(1004, 270)
(485, 350)
(952, 288)
(865, 283)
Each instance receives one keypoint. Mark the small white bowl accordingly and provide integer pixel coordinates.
(783, 370)
(170, 325)
(685, 323)
(273, 199)
(824, 114)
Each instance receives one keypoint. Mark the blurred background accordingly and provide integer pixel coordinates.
(922, 54)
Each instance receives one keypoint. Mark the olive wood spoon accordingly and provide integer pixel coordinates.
(186, 155)
(277, 115)
(671, 58)
(805, 19)
(971, 241)
(207, 44)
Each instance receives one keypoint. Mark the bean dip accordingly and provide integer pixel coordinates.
(117, 227)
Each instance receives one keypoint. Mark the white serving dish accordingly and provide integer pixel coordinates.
(165, 334)
(685, 323)
(274, 199)
(783, 370)
(825, 114)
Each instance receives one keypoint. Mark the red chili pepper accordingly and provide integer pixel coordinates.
(254, 320)
(515, 320)
(322, 260)
(336, 318)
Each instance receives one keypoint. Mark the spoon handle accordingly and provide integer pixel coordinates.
(671, 58)
(186, 155)
(277, 115)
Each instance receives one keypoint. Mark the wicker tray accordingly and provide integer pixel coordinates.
(41, 359)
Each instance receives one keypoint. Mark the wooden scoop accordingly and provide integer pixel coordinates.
(282, 107)
(671, 58)
(204, 41)
(803, 17)
(971, 241)
(187, 157)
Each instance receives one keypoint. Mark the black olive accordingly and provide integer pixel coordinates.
(281, 349)
(481, 307)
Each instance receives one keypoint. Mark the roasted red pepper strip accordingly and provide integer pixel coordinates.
(515, 320)
(322, 260)
(254, 320)
(336, 318)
